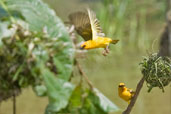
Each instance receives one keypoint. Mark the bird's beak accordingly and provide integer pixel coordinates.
(82, 47)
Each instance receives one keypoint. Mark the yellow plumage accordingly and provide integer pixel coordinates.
(125, 93)
(100, 42)
(88, 26)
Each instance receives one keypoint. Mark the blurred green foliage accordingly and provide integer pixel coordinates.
(87, 101)
(131, 21)
(36, 51)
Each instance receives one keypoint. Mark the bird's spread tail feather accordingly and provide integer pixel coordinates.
(114, 41)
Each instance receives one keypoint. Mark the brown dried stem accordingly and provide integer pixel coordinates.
(84, 75)
(138, 89)
(14, 104)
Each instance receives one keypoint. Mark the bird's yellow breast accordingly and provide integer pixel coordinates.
(125, 94)
(98, 43)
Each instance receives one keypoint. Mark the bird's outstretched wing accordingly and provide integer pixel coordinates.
(82, 24)
(95, 25)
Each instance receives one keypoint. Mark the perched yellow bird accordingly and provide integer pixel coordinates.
(88, 26)
(125, 93)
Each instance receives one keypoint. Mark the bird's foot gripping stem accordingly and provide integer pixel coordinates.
(106, 51)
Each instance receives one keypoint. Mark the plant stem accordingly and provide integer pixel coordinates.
(138, 89)
(84, 75)
(14, 104)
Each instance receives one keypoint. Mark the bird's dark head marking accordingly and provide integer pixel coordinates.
(121, 85)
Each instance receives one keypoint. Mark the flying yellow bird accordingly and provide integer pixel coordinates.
(125, 93)
(88, 26)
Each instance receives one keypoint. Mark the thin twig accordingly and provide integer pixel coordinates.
(138, 89)
(84, 75)
(14, 104)
(73, 37)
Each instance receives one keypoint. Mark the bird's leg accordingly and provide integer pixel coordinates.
(104, 53)
(106, 50)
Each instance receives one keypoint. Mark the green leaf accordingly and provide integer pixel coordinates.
(91, 108)
(58, 90)
(103, 102)
(41, 18)
(89, 102)
(90, 105)
(76, 98)
(97, 103)
(41, 90)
